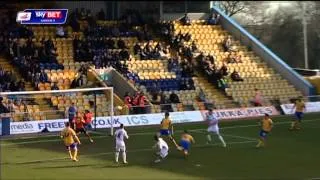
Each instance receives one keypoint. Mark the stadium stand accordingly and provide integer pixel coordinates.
(213, 40)
(194, 66)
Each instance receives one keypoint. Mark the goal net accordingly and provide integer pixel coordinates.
(53, 106)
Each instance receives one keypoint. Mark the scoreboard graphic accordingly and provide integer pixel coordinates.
(42, 16)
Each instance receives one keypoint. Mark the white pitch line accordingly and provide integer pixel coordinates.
(132, 151)
(137, 134)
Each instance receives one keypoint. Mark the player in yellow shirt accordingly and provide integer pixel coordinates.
(185, 142)
(300, 108)
(165, 126)
(71, 140)
(266, 127)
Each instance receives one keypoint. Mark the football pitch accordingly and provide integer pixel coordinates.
(288, 155)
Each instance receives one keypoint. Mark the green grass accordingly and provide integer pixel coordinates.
(289, 155)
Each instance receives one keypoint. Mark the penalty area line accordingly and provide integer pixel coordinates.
(111, 153)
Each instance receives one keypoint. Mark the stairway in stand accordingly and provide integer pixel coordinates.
(44, 105)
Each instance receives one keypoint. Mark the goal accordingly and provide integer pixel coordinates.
(53, 105)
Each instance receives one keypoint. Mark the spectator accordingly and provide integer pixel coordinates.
(142, 103)
(185, 20)
(235, 76)
(135, 103)
(202, 96)
(174, 98)
(227, 44)
(121, 44)
(88, 119)
(257, 100)
(224, 70)
(72, 111)
(165, 103)
(54, 86)
(11, 106)
(128, 101)
(101, 15)
(3, 108)
(214, 19)
(223, 83)
(43, 76)
(60, 31)
(137, 49)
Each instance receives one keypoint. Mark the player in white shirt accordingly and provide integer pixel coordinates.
(161, 147)
(213, 127)
(120, 135)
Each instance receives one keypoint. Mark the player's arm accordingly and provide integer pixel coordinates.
(61, 134)
(171, 125)
(76, 137)
(192, 140)
(156, 146)
(293, 107)
(82, 120)
(126, 135)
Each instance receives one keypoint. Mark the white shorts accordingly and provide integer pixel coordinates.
(120, 146)
(213, 129)
(163, 152)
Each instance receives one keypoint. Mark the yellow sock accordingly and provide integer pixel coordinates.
(70, 154)
(260, 143)
(75, 154)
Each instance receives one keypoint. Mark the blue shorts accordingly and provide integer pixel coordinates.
(263, 134)
(88, 126)
(72, 146)
(299, 115)
(165, 132)
(185, 145)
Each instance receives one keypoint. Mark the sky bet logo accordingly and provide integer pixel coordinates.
(49, 14)
(42, 16)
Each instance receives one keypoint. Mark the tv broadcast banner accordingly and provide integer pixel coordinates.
(142, 119)
(42, 16)
(310, 107)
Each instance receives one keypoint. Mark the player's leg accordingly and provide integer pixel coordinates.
(75, 151)
(261, 140)
(209, 138)
(185, 153)
(117, 152)
(299, 118)
(173, 140)
(124, 154)
(221, 138)
(295, 122)
(87, 134)
(161, 155)
(69, 151)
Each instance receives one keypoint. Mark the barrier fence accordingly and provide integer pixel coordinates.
(54, 120)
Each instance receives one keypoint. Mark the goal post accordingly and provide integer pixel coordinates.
(54, 104)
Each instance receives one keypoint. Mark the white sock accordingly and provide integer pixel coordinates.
(221, 139)
(209, 137)
(117, 156)
(124, 156)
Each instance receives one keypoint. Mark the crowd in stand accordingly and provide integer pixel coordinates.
(136, 103)
(148, 52)
(9, 82)
(206, 63)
